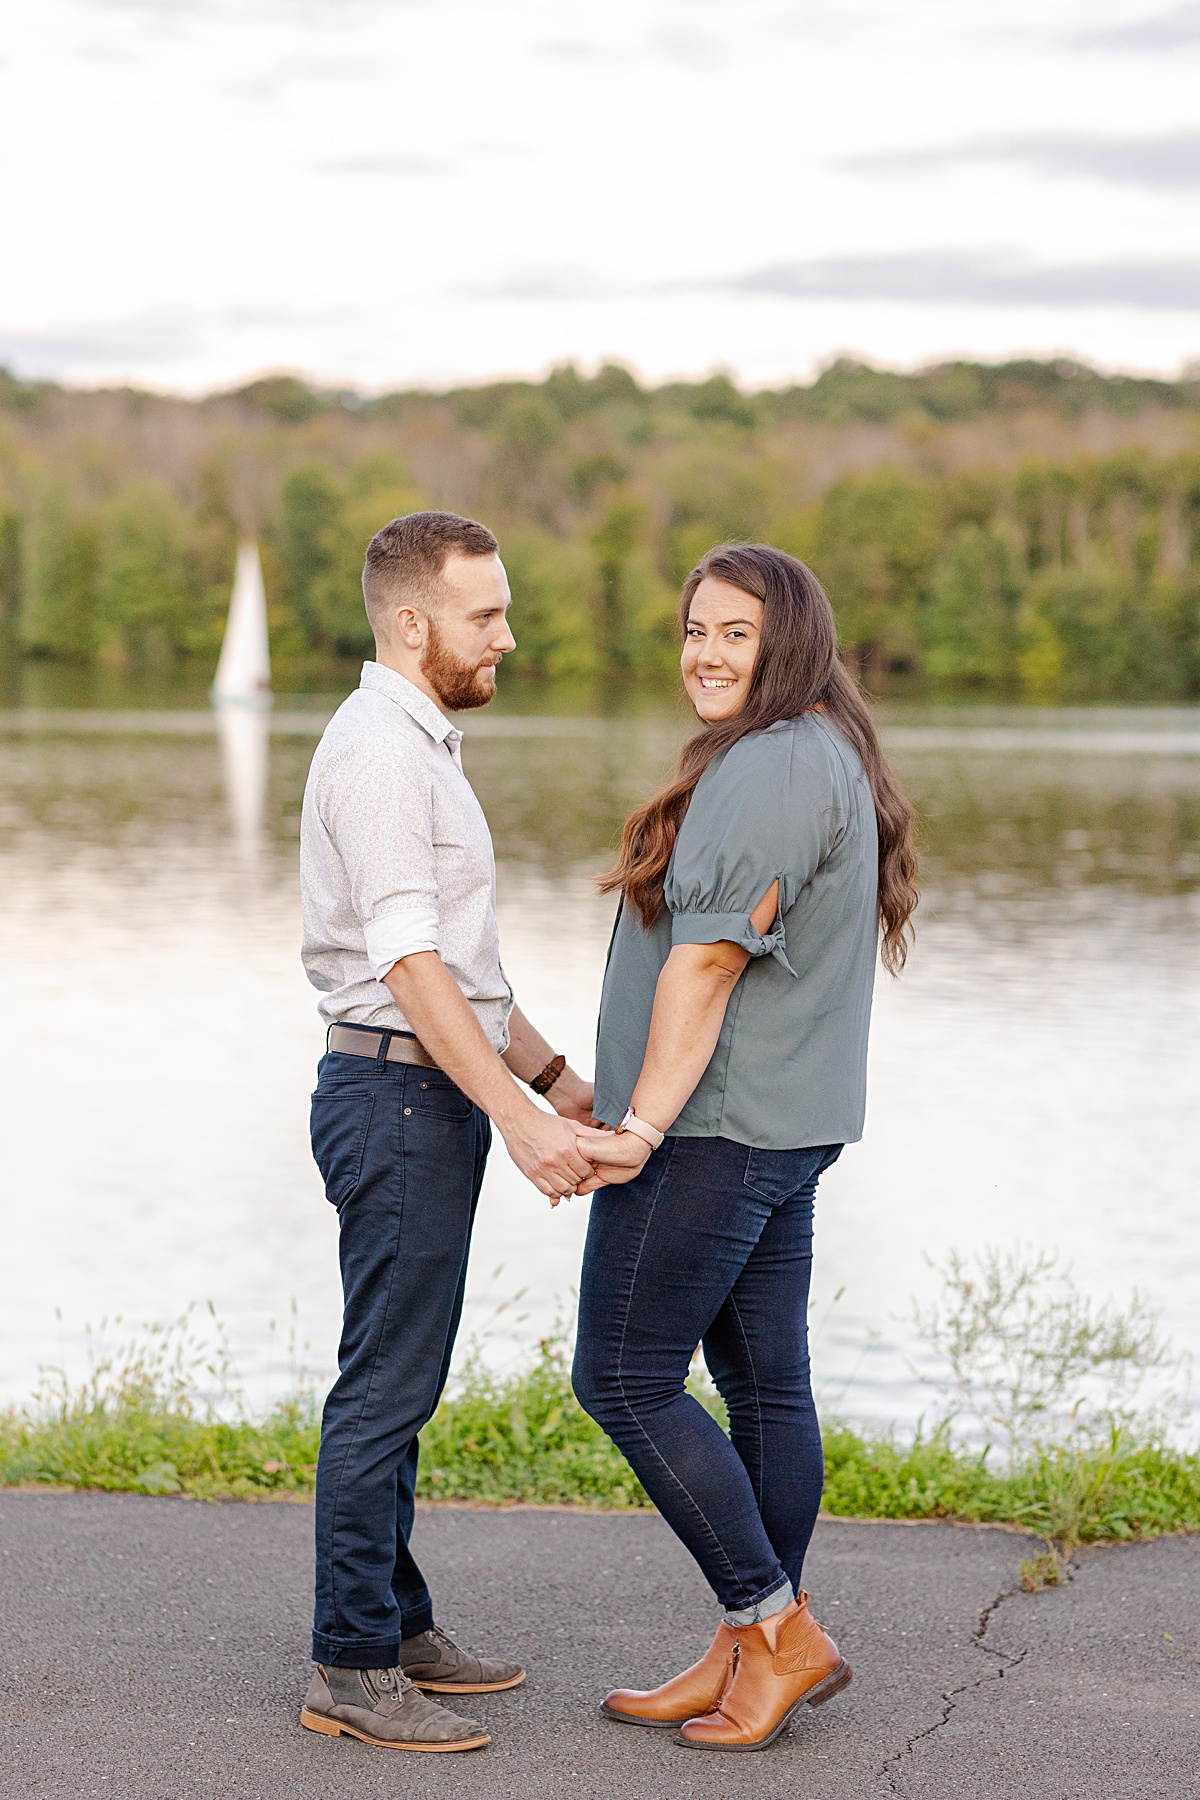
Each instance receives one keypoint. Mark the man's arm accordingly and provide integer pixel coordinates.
(542, 1146)
(528, 1054)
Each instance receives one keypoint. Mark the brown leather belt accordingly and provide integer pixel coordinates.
(352, 1040)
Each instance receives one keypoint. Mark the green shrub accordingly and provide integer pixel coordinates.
(1015, 1336)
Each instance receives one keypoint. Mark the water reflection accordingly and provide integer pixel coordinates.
(1034, 1076)
(245, 734)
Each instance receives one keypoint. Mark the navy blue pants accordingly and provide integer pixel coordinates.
(711, 1242)
(402, 1153)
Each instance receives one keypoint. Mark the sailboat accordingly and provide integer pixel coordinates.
(244, 671)
(241, 694)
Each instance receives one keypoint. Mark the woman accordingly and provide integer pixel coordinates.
(731, 1062)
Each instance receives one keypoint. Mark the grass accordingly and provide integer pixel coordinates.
(137, 1426)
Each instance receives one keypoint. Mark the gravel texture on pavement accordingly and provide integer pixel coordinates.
(157, 1650)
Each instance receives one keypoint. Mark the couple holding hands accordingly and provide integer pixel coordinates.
(756, 890)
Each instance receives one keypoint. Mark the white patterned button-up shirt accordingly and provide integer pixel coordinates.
(396, 857)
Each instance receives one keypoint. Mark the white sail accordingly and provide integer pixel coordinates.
(244, 671)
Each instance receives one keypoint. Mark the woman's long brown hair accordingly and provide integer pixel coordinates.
(797, 670)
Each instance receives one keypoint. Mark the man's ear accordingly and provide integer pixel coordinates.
(410, 627)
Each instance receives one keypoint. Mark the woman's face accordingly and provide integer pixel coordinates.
(720, 647)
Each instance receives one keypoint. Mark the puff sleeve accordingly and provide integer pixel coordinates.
(758, 816)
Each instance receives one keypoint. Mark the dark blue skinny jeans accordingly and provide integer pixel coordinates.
(711, 1243)
(402, 1153)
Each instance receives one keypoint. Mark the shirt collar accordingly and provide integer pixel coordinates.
(382, 680)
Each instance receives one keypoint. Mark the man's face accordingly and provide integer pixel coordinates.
(468, 631)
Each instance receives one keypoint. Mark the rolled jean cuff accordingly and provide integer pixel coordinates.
(762, 1609)
(376, 1653)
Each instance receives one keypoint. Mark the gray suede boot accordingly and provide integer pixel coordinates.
(432, 1660)
(381, 1706)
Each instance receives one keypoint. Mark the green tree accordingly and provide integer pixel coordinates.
(1042, 498)
(718, 398)
(311, 506)
(378, 488)
(212, 553)
(551, 617)
(967, 628)
(145, 589)
(718, 496)
(877, 538)
(58, 601)
(1121, 636)
(614, 544)
(10, 568)
(325, 525)
(1042, 658)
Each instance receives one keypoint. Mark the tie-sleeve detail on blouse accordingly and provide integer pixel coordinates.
(790, 805)
(731, 928)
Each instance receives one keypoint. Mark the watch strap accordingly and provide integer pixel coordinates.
(649, 1134)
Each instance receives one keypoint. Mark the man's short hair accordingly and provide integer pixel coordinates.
(406, 558)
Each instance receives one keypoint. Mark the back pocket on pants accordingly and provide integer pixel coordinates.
(339, 1123)
(778, 1174)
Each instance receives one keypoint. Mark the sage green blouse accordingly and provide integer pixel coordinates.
(791, 804)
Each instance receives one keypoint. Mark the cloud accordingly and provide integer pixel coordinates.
(236, 12)
(926, 277)
(1170, 162)
(579, 50)
(1177, 29)
(550, 284)
(693, 49)
(161, 336)
(404, 166)
(980, 278)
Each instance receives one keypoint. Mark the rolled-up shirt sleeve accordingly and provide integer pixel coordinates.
(755, 820)
(379, 812)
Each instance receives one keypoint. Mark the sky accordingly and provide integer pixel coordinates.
(398, 193)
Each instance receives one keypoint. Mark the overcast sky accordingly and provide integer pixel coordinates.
(401, 192)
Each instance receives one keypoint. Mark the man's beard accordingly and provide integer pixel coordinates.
(458, 685)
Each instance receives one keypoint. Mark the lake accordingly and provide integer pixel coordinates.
(1035, 1075)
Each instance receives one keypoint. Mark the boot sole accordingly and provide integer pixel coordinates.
(832, 1684)
(467, 1687)
(334, 1728)
(610, 1712)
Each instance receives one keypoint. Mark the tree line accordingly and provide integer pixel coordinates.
(969, 532)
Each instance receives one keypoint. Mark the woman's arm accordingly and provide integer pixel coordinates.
(689, 1009)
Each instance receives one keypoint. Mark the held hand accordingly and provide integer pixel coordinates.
(617, 1157)
(572, 1098)
(546, 1152)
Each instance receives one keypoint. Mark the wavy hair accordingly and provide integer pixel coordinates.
(797, 670)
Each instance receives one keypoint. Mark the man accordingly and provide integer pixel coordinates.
(398, 887)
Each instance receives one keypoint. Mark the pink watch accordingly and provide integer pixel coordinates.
(649, 1134)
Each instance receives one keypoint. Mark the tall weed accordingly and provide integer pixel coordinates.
(1025, 1358)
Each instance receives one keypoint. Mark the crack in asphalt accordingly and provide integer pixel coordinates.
(890, 1772)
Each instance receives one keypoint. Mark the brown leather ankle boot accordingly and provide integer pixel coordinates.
(770, 1686)
(697, 1691)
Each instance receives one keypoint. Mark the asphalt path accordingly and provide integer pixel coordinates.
(157, 1649)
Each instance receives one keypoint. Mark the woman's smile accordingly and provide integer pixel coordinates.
(720, 646)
